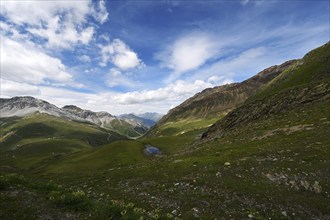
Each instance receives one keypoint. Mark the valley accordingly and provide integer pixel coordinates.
(258, 149)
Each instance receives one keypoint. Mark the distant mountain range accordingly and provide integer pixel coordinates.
(127, 125)
(153, 116)
(134, 118)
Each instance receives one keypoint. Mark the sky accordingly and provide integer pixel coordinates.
(148, 56)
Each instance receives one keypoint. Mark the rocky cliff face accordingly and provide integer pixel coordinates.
(304, 83)
(99, 118)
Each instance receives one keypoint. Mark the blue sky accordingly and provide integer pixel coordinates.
(139, 56)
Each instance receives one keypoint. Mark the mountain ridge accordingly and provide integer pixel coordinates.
(146, 122)
(218, 101)
(26, 105)
(305, 82)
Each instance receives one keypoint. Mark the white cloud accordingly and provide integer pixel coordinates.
(62, 23)
(120, 55)
(10, 88)
(63, 34)
(116, 78)
(177, 91)
(34, 13)
(188, 53)
(245, 64)
(25, 63)
(85, 58)
(101, 14)
(159, 100)
(9, 30)
(114, 72)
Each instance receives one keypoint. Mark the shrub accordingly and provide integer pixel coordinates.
(72, 200)
(11, 179)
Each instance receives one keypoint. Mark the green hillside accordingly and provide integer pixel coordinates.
(40, 137)
(266, 159)
(210, 105)
(305, 83)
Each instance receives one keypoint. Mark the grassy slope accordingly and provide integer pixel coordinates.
(283, 156)
(183, 126)
(305, 82)
(212, 104)
(28, 141)
(119, 153)
(276, 158)
(273, 167)
(126, 129)
(314, 67)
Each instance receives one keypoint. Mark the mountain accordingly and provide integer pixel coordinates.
(303, 84)
(268, 158)
(143, 121)
(206, 107)
(42, 138)
(151, 116)
(23, 106)
(128, 127)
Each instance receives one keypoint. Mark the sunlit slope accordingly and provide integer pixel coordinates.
(303, 85)
(28, 140)
(210, 105)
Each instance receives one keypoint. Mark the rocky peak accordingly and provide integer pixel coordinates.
(23, 102)
(25, 105)
(72, 108)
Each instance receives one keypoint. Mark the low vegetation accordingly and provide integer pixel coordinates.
(271, 165)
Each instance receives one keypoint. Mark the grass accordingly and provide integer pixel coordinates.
(41, 139)
(50, 127)
(184, 126)
(59, 202)
(271, 167)
(191, 180)
(119, 153)
(313, 67)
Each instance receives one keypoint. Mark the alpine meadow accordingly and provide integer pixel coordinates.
(165, 109)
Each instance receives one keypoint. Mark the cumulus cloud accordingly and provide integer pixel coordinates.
(25, 63)
(118, 53)
(63, 37)
(188, 53)
(177, 91)
(61, 23)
